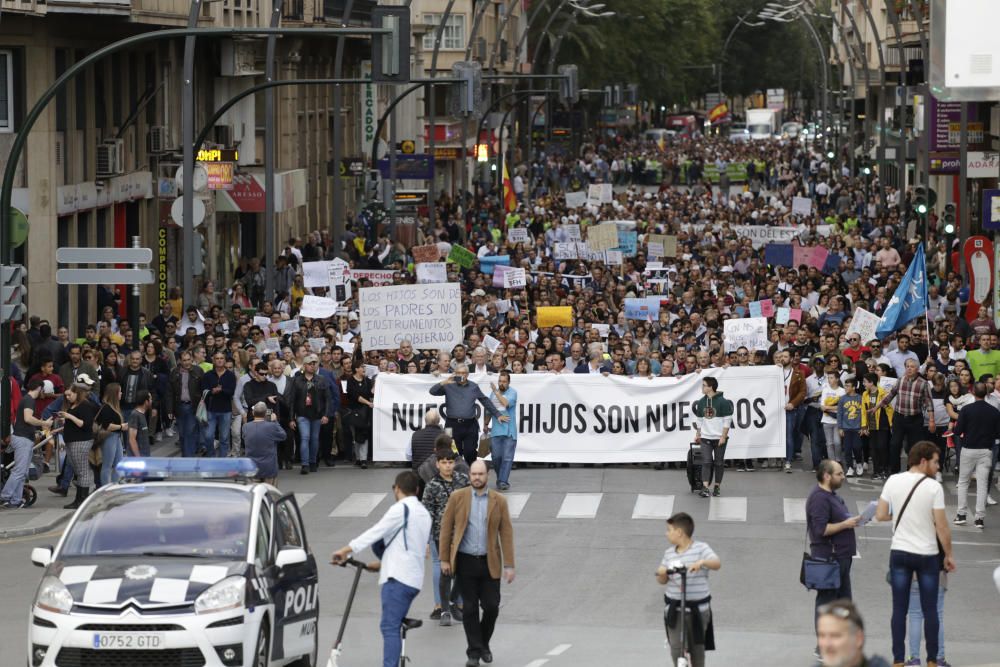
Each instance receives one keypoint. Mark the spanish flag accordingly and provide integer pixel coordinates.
(718, 113)
(509, 198)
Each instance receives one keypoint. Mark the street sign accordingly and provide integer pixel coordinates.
(408, 146)
(177, 211)
(104, 255)
(200, 178)
(104, 277)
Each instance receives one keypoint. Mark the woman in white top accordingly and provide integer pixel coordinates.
(828, 399)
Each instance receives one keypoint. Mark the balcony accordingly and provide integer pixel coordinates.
(107, 7)
(22, 6)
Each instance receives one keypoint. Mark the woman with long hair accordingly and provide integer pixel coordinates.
(361, 396)
(78, 413)
(112, 429)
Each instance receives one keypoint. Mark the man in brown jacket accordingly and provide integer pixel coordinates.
(477, 542)
(795, 396)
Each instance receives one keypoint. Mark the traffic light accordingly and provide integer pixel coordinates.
(391, 52)
(14, 294)
(920, 200)
(200, 255)
(465, 96)
(569, 84)
(372, 184)
(949, 217)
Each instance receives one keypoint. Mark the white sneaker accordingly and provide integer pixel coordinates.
(990, 501)
(788, 467)
(859, 469)
(171, 432)
(850, 472)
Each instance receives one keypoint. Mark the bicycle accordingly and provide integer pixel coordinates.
(337, 650)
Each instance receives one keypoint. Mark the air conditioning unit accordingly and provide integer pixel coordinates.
(159, 140)
(110, 157)
(223, 135)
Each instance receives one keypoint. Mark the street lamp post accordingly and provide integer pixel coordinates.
(725, 45)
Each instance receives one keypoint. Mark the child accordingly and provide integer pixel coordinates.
(829, 398)
(849, 422)
(435, 499)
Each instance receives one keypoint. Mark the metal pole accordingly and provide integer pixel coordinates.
(270, 233)
(187, 178)
(133, 308)
(881, 104)
(902, 152)
(925, 140)
(431, 199)
(339, 218)
(725, 46)
(963, 182)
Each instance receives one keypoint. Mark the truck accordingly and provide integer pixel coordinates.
(763, 123)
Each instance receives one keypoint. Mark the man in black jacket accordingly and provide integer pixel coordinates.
(182, 400)
(134, 379)
(977, 428)
(261, 390)
(422, 441)
(308, 400)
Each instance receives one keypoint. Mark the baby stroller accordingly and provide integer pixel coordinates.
(28, 494)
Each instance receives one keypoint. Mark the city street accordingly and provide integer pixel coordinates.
(587, 542)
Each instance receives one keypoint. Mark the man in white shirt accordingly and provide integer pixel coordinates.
(914, 501)
(404, 530)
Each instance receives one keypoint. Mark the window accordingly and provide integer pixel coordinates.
(6, 91)
(453, 37)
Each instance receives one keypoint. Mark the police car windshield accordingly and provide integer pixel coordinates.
(161, 520)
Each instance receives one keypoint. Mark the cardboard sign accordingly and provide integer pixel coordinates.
(432, 272)
(317, 307)
(576, 199)
(518, 235)
(315, 274)
(748, 332)
(864, 324)
(668, 243)
(514, 278)
(802, 206)
(430, 316)
(572, 232)
(602, 237)
(564, 251)
(426, 253)
(462, 256)
(627, 242)
(600, 193)
(550, 316)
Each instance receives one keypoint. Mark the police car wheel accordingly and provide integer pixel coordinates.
(263, 651)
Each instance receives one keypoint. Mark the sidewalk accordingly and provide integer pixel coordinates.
(47, 514)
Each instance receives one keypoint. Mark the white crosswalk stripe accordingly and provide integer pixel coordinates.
(580, 506)
(795, 510)
(358, 505)
(303, 498)
(516, 503)
(733, 508)
(653, 507)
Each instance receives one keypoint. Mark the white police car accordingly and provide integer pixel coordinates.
(179, 572)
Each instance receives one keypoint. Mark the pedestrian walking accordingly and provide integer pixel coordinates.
(921, 543)
(220, 383)
(841, 634)
(849, 425)
(503, 434)
(460, 410)
(403, 532)
(78, 433)
(308, 400)
(261, 438)
(713, 418)
(830, 528)
(697, 558)
(477, 544)
(435, 499)
(913, 394)
(181, 401)
(22, 441)
(138, 427)
(111, 432)
(978, 429)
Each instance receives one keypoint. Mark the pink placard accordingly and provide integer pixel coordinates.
(767, 308)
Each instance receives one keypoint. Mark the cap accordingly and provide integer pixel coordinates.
(352, 316)
(311, 359)
(478, 292)
(85, 379)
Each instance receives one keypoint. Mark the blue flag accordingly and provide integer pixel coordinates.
(910, 300)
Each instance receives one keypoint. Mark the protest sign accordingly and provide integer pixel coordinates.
(317, 344)
(576, 199)
(781, 315)
(761, 235)
(486, 264)
(272, 345)
(498, 272)
(600, 193)
(572, 232)
(462, 256)
(430, 316)
(654, 249)
(585, 418)
(432, 272)
(779, 254)
(503, 305)
(288, 326)
(491, 343)
(613, 257)
(795, 314)
(376, 277)
(627, 242)
(550, 316)
(426, 253)
(864, 324)
(748, 332)
(347, 347)
(564, 251)
(371, 370)
(518, 235)
(755, 309)
(316, 274)
(602, 237)
(262, 321)
(317, 307)
(814, 256)
(602, 329)
(340, 283)
(802, 206)
(514, 279)
(767, 308)
(645, 308)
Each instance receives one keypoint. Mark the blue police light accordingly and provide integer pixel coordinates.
(163, 468)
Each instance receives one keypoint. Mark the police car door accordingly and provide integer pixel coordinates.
(295, 588)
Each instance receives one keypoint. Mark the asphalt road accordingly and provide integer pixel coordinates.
(587, 542)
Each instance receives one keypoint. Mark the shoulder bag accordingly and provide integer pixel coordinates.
(379, 547)
(819, 574)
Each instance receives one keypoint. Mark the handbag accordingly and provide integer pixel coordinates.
(381, 545)
(819, 574)
(201, 412)
(485, 446)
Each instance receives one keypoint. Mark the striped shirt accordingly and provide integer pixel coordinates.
(697, 582)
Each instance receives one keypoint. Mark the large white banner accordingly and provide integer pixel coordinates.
(429, 316)
(597, 419)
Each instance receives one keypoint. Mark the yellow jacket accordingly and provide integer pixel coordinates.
(880, 393)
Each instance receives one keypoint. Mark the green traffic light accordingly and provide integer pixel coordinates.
(949, 228)
(921, 208)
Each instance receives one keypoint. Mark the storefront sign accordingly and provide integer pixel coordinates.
(161, 266)
(220, 175)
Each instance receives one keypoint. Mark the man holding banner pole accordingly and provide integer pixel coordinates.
(460, 410)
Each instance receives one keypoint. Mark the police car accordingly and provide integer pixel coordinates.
(170, 570)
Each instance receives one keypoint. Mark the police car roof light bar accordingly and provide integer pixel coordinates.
(171, 469)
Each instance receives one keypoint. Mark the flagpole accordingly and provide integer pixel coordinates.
(927, 310)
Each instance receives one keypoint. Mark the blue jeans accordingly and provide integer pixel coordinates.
(217, 426)
(451, 590)
(396, 600)
(851, 444)
(111, 454)
(308, 439)
(917, 621)
(187, 429)
(792, 420)
(902, 566)
(13, 490)
(503, 448)
(817, 440)
(66, 473)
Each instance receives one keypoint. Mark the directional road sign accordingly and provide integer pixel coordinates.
(104, 255)
(104, 276)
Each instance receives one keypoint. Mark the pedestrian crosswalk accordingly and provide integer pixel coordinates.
(545, 506)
